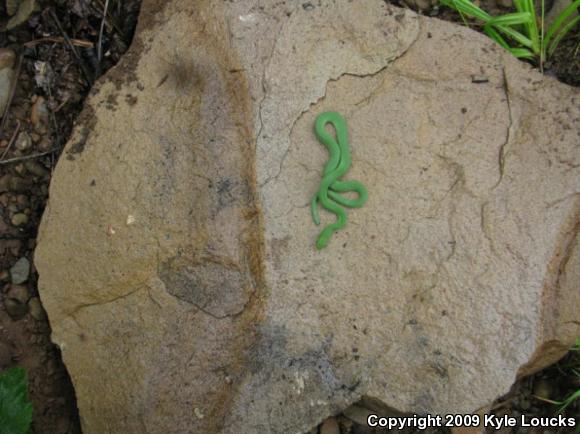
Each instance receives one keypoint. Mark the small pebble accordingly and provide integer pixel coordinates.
(23, 141)
(39, 113)
(36, 168)
(18, 184)
(7, 58)
(20, 271)
(36, 309)
(479, 79)
(18, 293)
(22, 200)
(19, 219)
(15, 309)
(330, 426)
(357, 414)
(19, 168)
(45, 144)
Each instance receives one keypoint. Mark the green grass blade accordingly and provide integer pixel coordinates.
(520, 6)
(511, 19)
(522, 53)
(529, 28)
(468, 8)
(520, 27)
(563, 31)
(542, 45)
(516, 36)
(493, 34)
(560, 19)
(569, 400)
(532, 26)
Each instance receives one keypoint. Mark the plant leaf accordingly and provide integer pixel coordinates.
(569, 400)
(522, 53)
(564, 15)
(12, 6)
(25, 8)
(494, 34)
(468, 8)
(511, 19)
(561, 34)
(15, 407)
(515, 35)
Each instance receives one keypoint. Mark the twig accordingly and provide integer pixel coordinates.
(27, 157)
(549, 401)
(12, 92)
(100, 46)
(59, 39)
(112, 20)
(53, 119)
(12, 139)
(13, 237)
(82, 65)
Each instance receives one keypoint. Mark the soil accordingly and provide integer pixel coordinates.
(52, 83)
(60, 54)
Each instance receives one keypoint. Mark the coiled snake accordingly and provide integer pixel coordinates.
(331, 187)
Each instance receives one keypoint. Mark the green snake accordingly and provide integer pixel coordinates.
(331, 186)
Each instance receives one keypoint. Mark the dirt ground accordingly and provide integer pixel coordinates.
(56, 55)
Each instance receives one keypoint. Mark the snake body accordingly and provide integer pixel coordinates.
(331, 187)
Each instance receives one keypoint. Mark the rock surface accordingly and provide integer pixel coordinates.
(176, 256)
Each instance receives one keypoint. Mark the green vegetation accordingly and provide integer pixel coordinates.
(574, 368)
(569, 368)
(15, 407)
(522, 33)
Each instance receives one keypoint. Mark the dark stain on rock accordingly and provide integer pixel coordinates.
(214, 285)
(150, 17)
(111, 102)
(271, 359)
(186, 76)
(78, 146)
(226, 193)
(131, 100)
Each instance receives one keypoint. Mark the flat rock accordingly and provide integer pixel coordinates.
(176, 256)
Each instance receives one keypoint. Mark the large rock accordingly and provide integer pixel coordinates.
(177, 260)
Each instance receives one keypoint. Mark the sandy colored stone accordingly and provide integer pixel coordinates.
(457, 275)
(7, 58)
(330, 426)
